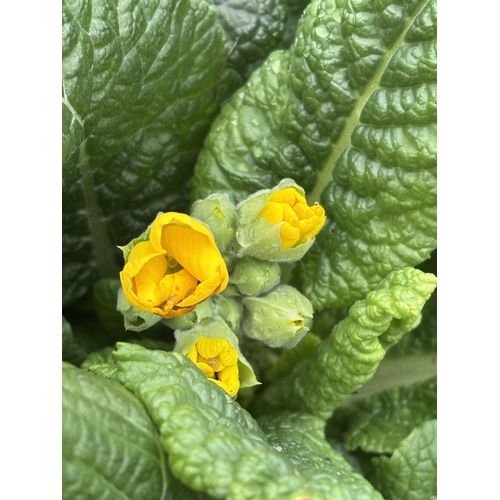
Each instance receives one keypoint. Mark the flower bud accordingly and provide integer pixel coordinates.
(220, 215)
(277, 224)
(279, 319)
(253, 276)
(213, 347)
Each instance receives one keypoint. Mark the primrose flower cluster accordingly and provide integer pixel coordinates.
(214, 277)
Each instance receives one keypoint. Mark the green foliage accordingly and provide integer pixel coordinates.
(355, 97)
(349, 357)
(167, 102)
(411, 472)
(141, 84)
(111, 447)
(380, 422)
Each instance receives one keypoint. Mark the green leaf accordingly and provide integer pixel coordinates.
(301, 437)
(213, 444)
(252, 29)
(350, 356)
(111, 448)
(355, 98)
(105, 300)
(411, 472)
(380, 422)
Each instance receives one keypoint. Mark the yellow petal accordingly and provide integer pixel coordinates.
(229, 377)
(206, 369)
(210, 348)
(229, 356)
(148, 279)
(173, 288)
(203, 291)
(140, 255)
(290, 216)
(289, 235)
(289, 196)
(272, 212)
(303, 211)
(192, 354)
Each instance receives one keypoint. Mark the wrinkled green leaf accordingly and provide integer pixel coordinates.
(411, 472)
(349, 357)
(301, 437)
(213, 445)
(355, 97)
(111, 447)
(105, 300)
(380, 422)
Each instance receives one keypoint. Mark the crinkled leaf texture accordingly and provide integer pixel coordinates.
(348, 358)
(213, 444)
(380, 422)
(111, 448)
(355, 97)
(411, 472)
(140, 89)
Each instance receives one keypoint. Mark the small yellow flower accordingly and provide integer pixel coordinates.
(176, 269)
(300, 222)
(218, 361)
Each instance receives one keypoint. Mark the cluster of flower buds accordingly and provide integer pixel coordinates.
(215, 275)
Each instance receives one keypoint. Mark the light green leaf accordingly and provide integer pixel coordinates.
(411, 472)
(111, 447)
(213, 444)
(301, 437)
(350, 356)
(380, 422)
(355, 98)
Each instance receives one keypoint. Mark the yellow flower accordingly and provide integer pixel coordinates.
(300, 222)
(176, 269)
(218, 361)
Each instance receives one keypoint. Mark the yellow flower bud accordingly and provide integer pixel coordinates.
(218, 360)
(277, 224)
(175, 269)
(299, 222)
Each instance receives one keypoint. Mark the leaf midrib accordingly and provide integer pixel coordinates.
(353, 120)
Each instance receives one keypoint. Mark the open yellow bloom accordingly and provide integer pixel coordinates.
(218, 361)
(176, 269)
(300, 221)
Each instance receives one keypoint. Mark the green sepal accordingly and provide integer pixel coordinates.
(253, 276)
(256, 237)
(220, 306)
(186, 321)
(126, 249)
(135, 319)
(411, 472)
(279, 319)
(216, 328)
(219, 214)
(346, 360)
